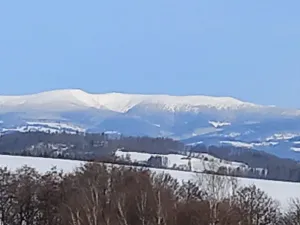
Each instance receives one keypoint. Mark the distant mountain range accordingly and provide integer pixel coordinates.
(192, 119)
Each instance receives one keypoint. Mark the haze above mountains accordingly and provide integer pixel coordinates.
(192, 119)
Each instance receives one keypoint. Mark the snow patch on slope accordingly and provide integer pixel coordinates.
(240, 144)
(59, 126)
(232, 134)
(296, 149)
(48, 127)
(195, 143)
(282, 136)
(218, 124)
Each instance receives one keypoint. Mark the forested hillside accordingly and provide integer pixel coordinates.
(278, 168)
(81, 146)
(101, 147)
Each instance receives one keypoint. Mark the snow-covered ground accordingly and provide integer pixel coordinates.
(241, 144)
(281, 191)
(41, 164)
(198, 162)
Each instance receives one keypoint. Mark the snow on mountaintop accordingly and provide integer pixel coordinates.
(119, 102)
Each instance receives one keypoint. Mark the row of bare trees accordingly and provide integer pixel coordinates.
(95, 194)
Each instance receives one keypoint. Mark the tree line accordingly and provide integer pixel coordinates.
(81, 146)
(100, 147)
(97, 194)
(278, 168)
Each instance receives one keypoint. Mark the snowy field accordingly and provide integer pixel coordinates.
(281, 191)
(198, 161)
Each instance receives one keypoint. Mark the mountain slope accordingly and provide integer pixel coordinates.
(200, 119)
(69, 99)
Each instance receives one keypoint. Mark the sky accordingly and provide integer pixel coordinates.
(245, 49)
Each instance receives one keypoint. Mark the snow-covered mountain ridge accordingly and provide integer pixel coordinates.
(118, 102)
(193, 119)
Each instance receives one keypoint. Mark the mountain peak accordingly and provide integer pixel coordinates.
(122, 102)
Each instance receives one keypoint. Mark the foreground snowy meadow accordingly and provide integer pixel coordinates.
(280, 191)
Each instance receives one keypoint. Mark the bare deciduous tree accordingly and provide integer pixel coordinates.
(49, 197)
(255, 207)
(6, 196)
(218, 189)
(25, 187)
(98, 194)
(292, 216)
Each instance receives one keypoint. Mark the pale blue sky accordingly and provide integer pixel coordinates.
(245, 49)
